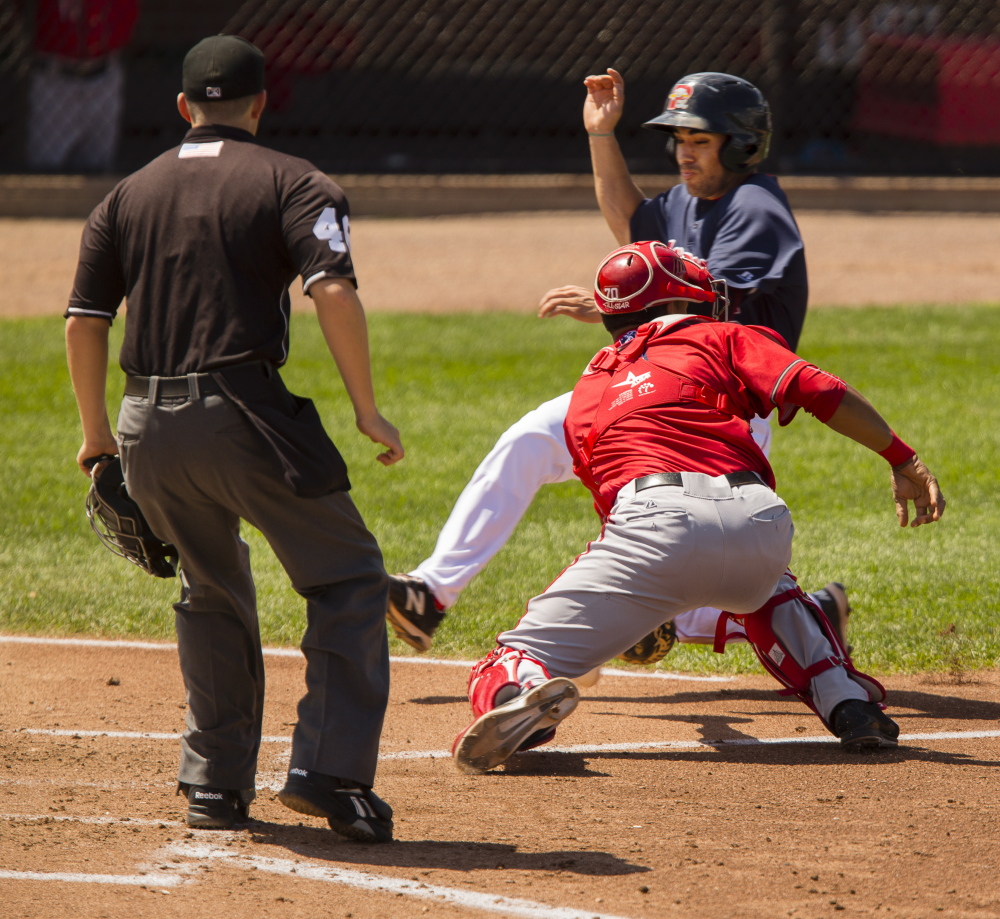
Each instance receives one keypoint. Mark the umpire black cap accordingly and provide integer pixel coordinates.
(722, 104)
(223, 67)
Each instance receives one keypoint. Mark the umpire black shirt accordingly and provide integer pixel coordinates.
(202, 244)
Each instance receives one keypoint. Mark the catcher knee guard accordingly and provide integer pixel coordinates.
(779, 662)
(500, 676)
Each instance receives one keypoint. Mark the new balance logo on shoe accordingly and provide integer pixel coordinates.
(412, 611)
(416, 601)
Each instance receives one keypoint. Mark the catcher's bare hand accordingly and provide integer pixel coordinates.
(605, 102)
(382, 432)
(914, 482)
(576, 302)
(105, 445)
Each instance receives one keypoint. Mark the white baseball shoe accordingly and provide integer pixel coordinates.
(499, 733)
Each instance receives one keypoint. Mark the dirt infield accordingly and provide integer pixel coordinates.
(697, 798)
(506, 262)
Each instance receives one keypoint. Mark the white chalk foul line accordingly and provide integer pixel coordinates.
(77, 877)
(308, 871)
(575, 748)
(696, 744)
(471, 899)
(294, 652)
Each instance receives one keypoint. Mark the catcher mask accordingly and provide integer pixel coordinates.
(119, 524)
(645, 274)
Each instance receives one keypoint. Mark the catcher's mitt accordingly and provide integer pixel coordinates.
(119, 524)
(654, 647)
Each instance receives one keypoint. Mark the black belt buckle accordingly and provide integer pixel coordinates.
(744, 477)
(658, 478)
(170, 387)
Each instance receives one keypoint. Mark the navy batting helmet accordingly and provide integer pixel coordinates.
(722, 104)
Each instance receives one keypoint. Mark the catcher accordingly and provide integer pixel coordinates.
(658, 430)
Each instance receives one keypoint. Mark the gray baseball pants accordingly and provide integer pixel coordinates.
(196, 466)
(666, 550)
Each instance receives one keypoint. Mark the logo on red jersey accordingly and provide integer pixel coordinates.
(632, 380)
(619, 399)
(645, 389)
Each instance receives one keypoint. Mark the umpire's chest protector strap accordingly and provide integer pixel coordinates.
(632, 379)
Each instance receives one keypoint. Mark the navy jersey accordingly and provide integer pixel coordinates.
(749, 237)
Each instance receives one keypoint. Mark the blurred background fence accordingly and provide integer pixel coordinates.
(494, 86)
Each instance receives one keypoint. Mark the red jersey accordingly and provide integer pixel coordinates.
(84, 29)
(679, 398)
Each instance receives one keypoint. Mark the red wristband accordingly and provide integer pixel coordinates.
(897, 453)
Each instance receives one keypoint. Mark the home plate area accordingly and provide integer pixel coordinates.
(662, 795)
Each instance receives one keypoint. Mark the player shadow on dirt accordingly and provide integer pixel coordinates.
(438, 700)
(462, 855)
(818, 753)
(903, 704)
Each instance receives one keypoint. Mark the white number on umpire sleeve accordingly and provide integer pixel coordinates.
(328, 228)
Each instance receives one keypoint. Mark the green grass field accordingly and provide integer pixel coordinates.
(924, 599)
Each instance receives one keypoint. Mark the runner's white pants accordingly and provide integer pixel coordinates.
(530, 453)
(664, 551)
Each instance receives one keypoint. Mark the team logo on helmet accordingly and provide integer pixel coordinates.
(679, 97)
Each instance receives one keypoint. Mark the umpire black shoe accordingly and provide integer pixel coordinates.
(863, 726)
(214, 808)
(352, 810)
(412, 611)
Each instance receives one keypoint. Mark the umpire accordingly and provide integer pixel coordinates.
(202, 244)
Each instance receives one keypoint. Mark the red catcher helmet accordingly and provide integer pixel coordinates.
(644, 274)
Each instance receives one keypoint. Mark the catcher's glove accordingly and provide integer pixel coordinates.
(654, 647)
(119, 524)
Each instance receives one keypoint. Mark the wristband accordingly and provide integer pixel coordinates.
(897, 453)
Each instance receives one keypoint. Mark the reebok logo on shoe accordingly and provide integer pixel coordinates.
(304, 773)
(208, 795)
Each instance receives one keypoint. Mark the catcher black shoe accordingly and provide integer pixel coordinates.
(526, 720)
(214, 808)
(832, 599)
(863, 726)
(413, 611)
(351, 810)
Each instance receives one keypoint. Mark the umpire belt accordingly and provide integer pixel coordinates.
(191, 386)
(676, 478)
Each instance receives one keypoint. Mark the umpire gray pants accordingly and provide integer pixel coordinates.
(196, 466)
(669, 549)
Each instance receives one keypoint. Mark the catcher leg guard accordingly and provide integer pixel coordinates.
(517, 706)
(797, 645)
